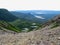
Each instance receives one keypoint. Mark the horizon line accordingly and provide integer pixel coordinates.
(31, 9)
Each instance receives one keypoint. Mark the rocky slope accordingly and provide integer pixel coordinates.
(45, 36)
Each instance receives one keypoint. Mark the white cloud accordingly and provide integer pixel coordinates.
(39, 17)
(30, 4)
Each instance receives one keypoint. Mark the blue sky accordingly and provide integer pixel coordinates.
(30, 4)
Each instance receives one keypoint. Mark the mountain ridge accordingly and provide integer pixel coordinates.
(33, 16)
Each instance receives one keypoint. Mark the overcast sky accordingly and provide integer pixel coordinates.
(30, 4)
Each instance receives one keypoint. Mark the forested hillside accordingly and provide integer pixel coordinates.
(12, 22)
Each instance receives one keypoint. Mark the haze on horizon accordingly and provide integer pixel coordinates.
(30, 4)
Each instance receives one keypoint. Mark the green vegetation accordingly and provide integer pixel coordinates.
(25, 25)
(8, 26)
(55, 24)
(7, 16)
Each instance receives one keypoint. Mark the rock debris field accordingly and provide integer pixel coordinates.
(45, 36)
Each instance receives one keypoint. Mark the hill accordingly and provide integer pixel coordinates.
(5, 25)
(39, 16)
(6, 15)
(27, 16)
(5, 18)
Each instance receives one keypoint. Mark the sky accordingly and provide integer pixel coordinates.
(30, 4)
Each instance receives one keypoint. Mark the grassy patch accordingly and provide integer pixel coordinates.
(55, 25)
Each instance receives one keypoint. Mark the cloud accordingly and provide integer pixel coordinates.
(39, 17)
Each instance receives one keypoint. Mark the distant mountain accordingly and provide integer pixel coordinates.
(39, 11)
(28, 16)
(35, 15)
(6, 15)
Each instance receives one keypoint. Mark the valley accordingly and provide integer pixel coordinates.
(29, 27)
